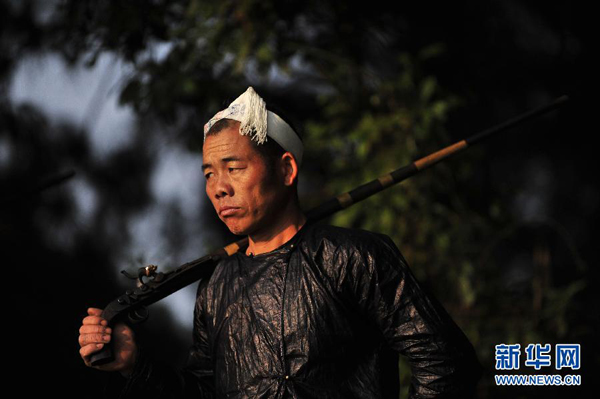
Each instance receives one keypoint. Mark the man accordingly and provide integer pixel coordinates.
(306, 310)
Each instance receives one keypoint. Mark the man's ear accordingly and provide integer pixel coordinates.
(289, 168)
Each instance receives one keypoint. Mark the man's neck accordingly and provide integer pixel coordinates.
(278, 233)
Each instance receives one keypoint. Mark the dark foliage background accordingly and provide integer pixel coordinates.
(502, 235)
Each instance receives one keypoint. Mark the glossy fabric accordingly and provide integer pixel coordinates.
(323, 316)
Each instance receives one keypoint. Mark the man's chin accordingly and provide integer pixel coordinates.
(237, 229)
(243, 226)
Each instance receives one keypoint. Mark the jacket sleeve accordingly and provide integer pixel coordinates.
(413, 323)
(152, 379)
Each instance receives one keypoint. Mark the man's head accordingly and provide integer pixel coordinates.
(249, 184)
(270, 151)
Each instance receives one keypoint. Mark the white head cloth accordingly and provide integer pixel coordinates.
(257, 122)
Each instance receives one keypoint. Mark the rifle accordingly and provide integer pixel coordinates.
(154, 286)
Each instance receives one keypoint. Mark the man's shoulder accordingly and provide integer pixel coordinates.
(345, 238)
(335, 249)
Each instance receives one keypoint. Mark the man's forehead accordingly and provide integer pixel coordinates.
(226, 144)
(228, 137)
(218, 146)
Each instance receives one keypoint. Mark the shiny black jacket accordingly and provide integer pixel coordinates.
(323, 316)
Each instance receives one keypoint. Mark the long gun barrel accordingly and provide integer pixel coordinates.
(155, 286)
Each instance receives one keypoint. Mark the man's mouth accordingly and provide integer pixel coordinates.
(228, 210)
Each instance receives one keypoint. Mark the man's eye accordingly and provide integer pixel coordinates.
(234, 169)
(208, 175)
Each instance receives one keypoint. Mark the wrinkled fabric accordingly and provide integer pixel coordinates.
(323, 316)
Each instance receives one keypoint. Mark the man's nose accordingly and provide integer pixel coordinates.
(223, 187)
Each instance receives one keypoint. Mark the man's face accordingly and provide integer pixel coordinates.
(237, 182)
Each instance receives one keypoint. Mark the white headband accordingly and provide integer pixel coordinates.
(257, 122)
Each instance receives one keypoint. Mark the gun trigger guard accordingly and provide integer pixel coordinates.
(138, 315)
